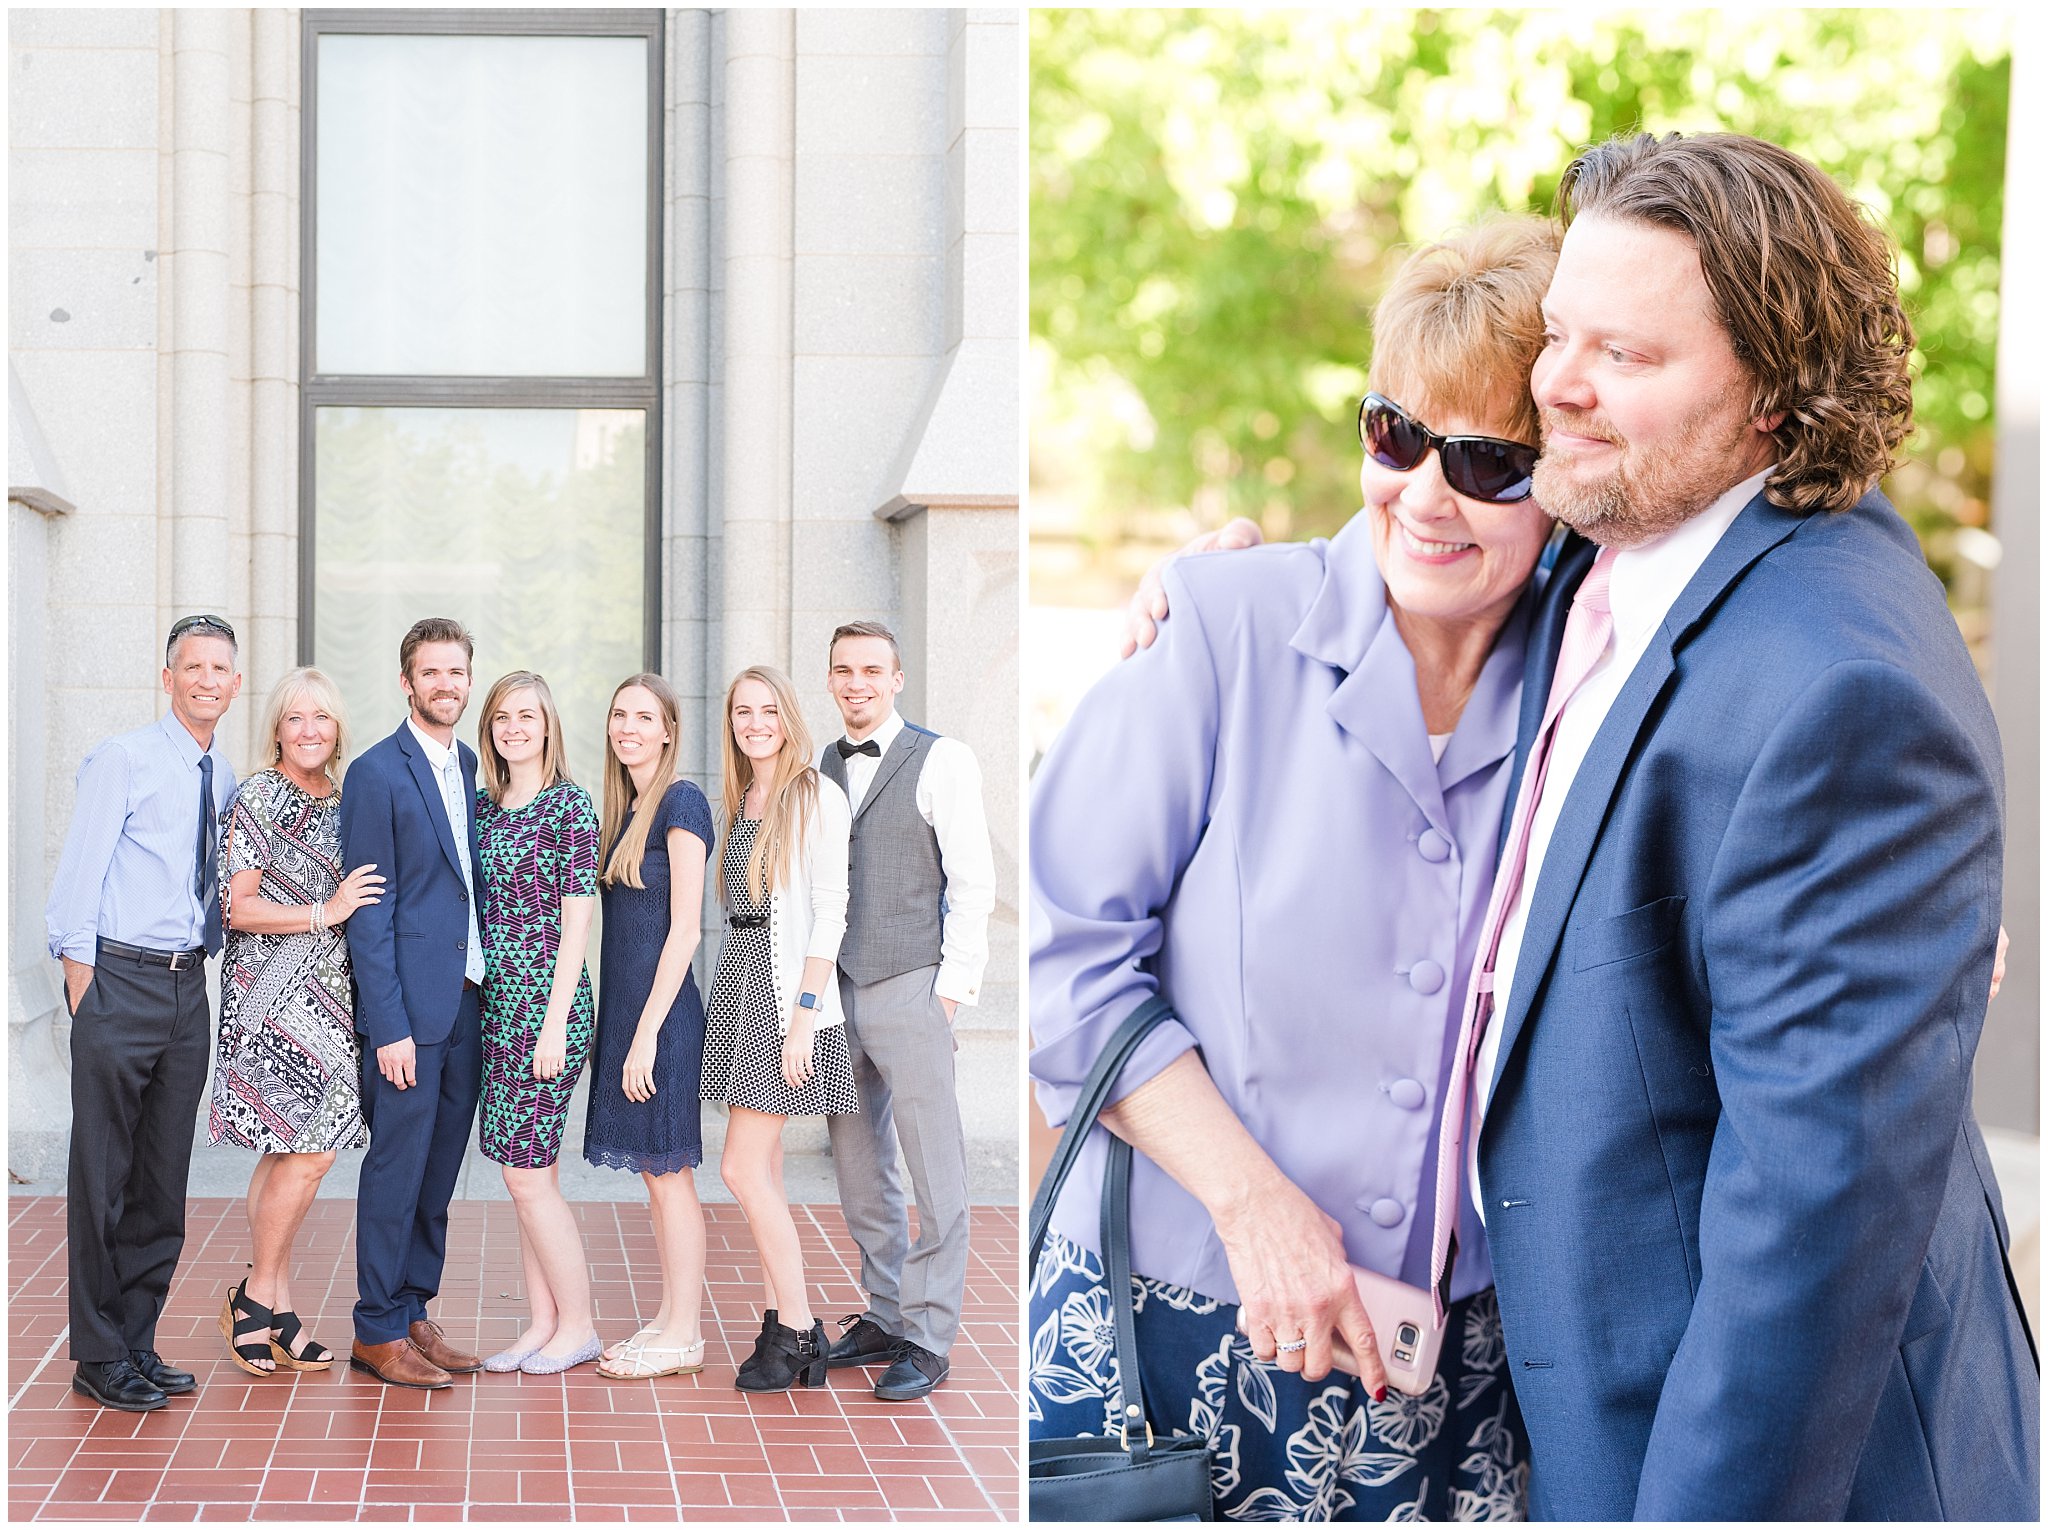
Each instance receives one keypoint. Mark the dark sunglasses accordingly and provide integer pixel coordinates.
(185, 624)
(1484, 468)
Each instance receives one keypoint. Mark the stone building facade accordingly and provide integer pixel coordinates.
(836, 428)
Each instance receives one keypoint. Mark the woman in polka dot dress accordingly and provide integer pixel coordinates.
(775, 1043)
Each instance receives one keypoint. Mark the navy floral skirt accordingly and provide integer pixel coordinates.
(1285, 1448)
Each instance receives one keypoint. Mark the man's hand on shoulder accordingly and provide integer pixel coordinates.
(396, 1063)
(1148, 606)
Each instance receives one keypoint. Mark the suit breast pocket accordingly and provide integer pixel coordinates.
(1623, 937)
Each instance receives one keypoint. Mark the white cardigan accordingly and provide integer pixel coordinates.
(807, 915)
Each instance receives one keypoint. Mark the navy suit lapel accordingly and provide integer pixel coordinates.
(467, 760)
(1546, 637)
(430, 789)
(1759, 528)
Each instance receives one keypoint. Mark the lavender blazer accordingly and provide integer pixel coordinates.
(1246, 818)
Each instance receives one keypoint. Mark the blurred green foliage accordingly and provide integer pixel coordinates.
(1218, 197)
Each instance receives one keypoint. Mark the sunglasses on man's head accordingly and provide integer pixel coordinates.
(1484, 468)
(185, 624)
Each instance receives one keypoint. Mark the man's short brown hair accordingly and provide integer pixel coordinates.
(1803, 283)
(433, 629)
(864, 629)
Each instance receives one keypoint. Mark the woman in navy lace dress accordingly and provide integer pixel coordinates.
(646, 1064)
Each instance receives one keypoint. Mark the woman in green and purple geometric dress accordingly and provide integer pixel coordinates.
(537, 835)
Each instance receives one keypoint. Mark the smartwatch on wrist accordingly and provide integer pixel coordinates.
(811, 1002)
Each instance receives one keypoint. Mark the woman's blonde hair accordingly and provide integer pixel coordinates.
(325, 694)
(623, 828)
(1462, 322)
(554, 758)
(792, 787)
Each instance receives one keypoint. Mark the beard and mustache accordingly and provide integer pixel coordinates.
(1649, 490)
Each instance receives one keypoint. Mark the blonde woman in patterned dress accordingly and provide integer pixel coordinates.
(537, 839)
(285, 1083)
(774, 1040)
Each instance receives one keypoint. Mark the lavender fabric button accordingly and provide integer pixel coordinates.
(1433, 847)
(1406, 1093)
(1425, 976)
(1388, 1212)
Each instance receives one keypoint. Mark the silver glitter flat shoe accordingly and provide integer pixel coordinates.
(509, 1359)
(538, 1364)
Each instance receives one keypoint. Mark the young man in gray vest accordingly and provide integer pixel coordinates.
(921, 884)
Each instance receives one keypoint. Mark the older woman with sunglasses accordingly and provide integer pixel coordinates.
(1283, 817)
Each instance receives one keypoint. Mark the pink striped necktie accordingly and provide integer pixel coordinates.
(1587, 632)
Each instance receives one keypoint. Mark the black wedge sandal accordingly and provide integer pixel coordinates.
(291, 1345)
(248, 1334)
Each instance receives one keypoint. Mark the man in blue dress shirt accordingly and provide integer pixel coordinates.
(133, 916)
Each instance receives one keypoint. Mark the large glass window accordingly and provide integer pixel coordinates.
(480, 350)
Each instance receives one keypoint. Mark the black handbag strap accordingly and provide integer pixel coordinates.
(1116, 1269)
(1116, 1209)
(1087, 1106)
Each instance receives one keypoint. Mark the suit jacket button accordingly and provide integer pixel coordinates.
(1388, 1212)
(1433, 847)
(1406, 1093)
(1425, 976)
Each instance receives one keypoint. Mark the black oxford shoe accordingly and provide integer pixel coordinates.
(167, 1379)
(864, 1342)
(916, 1371)
(116, 1384)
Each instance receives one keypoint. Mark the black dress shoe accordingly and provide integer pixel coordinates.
(862, 1341)
(116, 1384)
(167, 1379)
(916, 1371)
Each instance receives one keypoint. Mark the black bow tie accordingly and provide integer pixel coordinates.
(847, 746)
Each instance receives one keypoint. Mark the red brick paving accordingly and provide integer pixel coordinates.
(340, 1445)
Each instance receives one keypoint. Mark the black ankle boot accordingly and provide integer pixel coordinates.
(753, 1361)
(787, 1358)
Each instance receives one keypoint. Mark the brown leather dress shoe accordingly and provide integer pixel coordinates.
(398, 1364)
(428, 1339)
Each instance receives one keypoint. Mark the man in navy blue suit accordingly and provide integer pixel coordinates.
(409, 809)
(1749, 1250)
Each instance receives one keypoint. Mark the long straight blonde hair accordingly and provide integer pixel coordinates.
(623, 828)
(792, 784)
(554, 756)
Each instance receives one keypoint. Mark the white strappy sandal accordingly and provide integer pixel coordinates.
(644, 1362)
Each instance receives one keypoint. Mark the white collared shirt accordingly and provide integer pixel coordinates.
(1644, 583)
(949, 799)
(440, 757)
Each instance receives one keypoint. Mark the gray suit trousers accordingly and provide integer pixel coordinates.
(902, 1049)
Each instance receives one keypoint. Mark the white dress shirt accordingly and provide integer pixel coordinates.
(1644, 583)
(447, 767)
(949, 799)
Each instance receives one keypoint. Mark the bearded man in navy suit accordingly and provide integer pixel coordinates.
(410, 810)
(1749, 1251)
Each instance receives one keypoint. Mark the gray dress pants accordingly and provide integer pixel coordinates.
(902, 1047)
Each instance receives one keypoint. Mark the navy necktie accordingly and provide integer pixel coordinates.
(206, 864)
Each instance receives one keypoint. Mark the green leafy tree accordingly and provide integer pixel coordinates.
(1218, 197)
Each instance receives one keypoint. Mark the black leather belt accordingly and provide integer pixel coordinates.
(746, 921)
(177, 961)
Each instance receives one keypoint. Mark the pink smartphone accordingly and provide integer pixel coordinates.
(1404, 1322)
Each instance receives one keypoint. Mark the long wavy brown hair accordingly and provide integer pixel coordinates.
(792, 784)
(623, 828)
(1804, 282)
